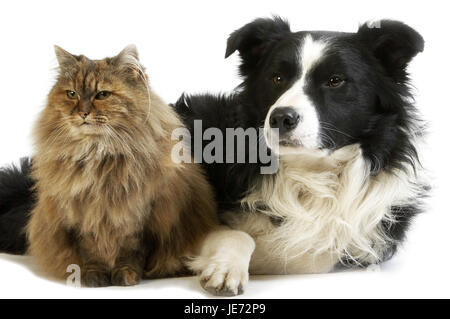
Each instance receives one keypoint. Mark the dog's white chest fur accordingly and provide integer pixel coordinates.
(328, 207)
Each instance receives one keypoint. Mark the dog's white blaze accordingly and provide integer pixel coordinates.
(307, 132)
(332, 208)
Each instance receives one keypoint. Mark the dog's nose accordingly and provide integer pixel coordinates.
(285, 119)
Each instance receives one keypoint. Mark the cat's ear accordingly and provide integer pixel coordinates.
(128, 60)
(129, 52)
(393, 43)
(65, 59)
(255, 39)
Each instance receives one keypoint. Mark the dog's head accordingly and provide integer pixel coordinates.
(324, 90)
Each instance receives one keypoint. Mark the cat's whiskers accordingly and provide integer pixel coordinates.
(117, 141)
(59, 130)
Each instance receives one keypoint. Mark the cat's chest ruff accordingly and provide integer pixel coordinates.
(96, 194)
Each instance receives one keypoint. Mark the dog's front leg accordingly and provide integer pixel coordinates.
(223, 261)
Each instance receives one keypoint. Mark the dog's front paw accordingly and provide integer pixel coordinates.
(224, 280)
(224, 261)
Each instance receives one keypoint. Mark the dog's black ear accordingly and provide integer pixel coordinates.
(393, 43)
(254, 39)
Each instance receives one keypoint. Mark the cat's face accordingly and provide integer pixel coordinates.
(100, 98)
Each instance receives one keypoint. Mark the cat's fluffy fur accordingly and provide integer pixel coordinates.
(109, 197)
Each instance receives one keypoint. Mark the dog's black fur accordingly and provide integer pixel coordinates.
(16, 202)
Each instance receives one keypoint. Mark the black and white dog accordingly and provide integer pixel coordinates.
(337, 109)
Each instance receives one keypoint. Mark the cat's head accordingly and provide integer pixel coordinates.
(96, 98)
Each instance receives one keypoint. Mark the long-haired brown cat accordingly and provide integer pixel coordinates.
(109, 197)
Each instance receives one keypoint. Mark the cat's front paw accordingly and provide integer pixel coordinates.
(96, 278)
(225, 280)
(125, 276)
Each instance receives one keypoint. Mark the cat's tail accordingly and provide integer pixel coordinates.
(16, 202)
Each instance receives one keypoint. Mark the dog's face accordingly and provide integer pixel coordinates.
(324, 90)
(323, 94)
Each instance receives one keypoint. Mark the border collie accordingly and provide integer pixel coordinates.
(338, 111)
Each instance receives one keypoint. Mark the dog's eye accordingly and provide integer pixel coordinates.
(102, 95)
(334, 81)
(277, 79)
(71, 94)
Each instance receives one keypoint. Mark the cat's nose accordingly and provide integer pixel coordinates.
(84, 114)
(84, 109)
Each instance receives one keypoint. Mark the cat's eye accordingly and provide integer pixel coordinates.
(277, 79)
(71, 94)
(335, 81)
(102, 95)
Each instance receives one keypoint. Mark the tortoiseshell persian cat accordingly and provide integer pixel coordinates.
(109, 197)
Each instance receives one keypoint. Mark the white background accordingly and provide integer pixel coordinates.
(182, 44)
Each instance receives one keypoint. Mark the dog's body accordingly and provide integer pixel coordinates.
(349, 180)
